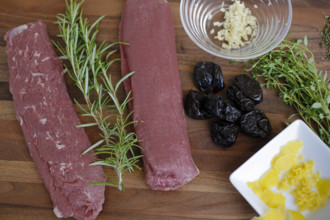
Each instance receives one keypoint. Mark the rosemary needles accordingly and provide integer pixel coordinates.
(291, 69)
(89, 67)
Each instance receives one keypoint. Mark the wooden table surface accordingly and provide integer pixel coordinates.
(210, 195)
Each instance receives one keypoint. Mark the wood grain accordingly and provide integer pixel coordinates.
(210, 195)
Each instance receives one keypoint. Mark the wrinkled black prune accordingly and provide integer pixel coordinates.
(193, 106)
(208, 77)
(245, 92)
(230, 113)
(222, 108)
(224, 134)
(255, 123)
(237, 96)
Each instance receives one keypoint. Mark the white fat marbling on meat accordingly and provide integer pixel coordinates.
(60, 118)
(37, 74)
(59, 146)
(20, 52)
(33, 107)
(19, 119)
(44, 59)
(22, 91)
(48, 136)
(37, 54)
(40, 83)
(36, 35)
(44, 102)
(57, 135)
(88, 195)
(16, 31)
(57, 212)
(43, 120)
(64, 166)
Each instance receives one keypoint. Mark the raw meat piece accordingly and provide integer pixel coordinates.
(48, 119)
(148, 27)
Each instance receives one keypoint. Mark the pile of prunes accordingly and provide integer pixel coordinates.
(234, 114)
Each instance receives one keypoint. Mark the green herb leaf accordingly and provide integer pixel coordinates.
(86, 125)
(317, 105)
(305, 41)
(93, 146)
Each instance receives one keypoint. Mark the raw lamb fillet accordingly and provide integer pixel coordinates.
(47, 118)
(147, 25)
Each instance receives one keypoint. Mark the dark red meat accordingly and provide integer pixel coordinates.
(47, 117)
(147, 25)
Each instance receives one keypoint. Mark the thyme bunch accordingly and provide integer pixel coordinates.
(291, 69)
(325, 34)
(89, 67)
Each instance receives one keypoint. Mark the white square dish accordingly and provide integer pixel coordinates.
(313, 149)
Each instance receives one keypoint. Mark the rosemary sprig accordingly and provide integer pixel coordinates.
(89, 66)
(291, 68)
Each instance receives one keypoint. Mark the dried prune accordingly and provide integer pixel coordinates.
(213, 104)
(193, 106)
(245, 92)
(224, 134)
(256, 124)
(222, 108)
(230, 113)
(238, 97)
(208, 77)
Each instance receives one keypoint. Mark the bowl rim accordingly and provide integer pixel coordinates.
(284, 34)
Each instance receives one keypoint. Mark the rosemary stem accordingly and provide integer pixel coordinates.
(90, 74)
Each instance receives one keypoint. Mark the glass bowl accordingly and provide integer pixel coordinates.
(273, 20)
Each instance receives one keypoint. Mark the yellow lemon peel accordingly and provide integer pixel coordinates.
(308, 188)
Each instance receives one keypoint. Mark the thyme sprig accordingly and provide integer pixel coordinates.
(325, 34)
(89, 67)
(291, 69)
